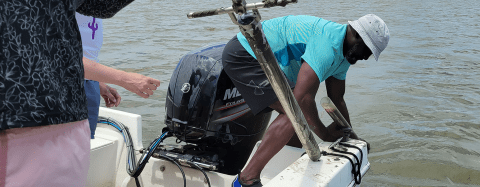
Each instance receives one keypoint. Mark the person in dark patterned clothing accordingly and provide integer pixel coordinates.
(44, 133)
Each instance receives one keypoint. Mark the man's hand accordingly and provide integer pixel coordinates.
(140, 84)
(335, 131)
(110, 95)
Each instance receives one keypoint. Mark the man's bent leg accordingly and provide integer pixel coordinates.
(276, 137)
(295, 141)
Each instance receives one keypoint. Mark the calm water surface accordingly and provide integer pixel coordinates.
(418, 106)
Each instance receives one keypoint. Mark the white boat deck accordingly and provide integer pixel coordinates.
(287, 168)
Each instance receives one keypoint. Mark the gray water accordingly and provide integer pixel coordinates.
(418, 106)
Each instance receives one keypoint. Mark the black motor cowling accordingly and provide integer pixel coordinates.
(204, 108)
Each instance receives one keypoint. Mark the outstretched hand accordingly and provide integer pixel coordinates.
(140, 84)
(110, 95)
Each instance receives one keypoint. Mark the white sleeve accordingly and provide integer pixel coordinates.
(91, 30)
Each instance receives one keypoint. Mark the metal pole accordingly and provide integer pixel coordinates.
(259, 44)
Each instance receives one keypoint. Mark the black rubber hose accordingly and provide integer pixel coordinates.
(205, 174)
(179, 167)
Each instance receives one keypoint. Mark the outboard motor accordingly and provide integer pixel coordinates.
(206, 112)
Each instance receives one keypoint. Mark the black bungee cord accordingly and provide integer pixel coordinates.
(355, 166)
(356, 173)
(355, 147)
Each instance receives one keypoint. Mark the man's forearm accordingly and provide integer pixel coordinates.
(310, 112)
(342, 107)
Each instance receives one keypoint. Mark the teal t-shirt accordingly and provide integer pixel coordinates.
(317, 41)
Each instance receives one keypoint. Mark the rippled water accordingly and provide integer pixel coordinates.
(418, 106)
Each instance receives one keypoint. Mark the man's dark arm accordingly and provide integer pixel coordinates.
(336, 91)
(305, 90)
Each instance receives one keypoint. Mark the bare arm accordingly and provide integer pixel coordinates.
(134, 82)
(304, 92)
(336, 91)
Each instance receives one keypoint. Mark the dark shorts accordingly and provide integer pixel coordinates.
(248, 76)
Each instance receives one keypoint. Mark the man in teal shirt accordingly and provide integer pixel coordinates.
(328, 48)
(317, 41)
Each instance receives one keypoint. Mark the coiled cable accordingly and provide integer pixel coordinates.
(134, 169)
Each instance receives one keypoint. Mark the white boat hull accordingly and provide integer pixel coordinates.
(287, 168)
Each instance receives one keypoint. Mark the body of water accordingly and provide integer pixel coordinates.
(418, 105)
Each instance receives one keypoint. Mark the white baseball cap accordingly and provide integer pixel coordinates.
(373, 31)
